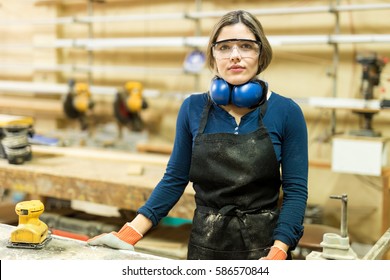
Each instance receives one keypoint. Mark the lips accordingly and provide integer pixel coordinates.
(234, 67)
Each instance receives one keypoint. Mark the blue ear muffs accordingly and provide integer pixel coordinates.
(220, 91)
(245, 95)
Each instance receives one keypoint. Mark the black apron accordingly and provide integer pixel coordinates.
(236, 179)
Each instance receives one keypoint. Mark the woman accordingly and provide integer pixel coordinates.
(238, 144)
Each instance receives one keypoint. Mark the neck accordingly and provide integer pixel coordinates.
(236, 112)
(239, 112)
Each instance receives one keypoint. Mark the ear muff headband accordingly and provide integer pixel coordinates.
(248, 95)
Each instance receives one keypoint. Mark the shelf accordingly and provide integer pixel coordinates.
(297, 10)
(198, 42)
(372, 105)
(41, 21)
(95, 68)
(61, 89)
(198, 15)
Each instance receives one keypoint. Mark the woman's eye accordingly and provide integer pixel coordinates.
(246, 46)
(224, 47)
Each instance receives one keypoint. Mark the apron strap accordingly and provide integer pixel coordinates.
(205, 113)
(263, 109)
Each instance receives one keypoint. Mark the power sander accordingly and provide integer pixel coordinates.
(128, 104)
(31, 232)
(14, 143)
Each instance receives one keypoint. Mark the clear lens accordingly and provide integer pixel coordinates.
(246, 48)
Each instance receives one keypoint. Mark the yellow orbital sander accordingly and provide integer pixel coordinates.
(31, 232)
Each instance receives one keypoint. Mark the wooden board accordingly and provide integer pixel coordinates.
(29, 106)
(155, 148)
(101, 154)
(61, 248)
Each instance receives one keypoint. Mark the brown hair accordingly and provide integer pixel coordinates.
(254, 25)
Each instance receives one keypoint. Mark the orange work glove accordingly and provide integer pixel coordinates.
(125, 239)
(275, 253)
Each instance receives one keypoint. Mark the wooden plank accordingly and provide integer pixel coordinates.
(62, 248)
(380, 247)
(100, 154)
(70, 2)
(320, 164)
(40, 107)
(135, 169)
(155, 148)
(31, 106)
(385, 203)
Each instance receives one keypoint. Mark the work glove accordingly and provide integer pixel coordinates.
(125, 239)
(275, 253)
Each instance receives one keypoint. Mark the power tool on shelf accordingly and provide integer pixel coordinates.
(14, 134)
(128, 104)
(31, 232)
(372, 66)
(78, 102)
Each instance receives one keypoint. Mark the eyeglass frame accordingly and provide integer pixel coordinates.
(236, 40)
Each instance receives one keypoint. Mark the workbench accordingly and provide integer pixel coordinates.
(114, 178)
(62, 248)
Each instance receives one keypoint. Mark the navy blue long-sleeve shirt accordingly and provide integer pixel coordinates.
(286, 126)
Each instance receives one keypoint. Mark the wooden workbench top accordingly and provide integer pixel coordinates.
(120, 179)
(61, 248)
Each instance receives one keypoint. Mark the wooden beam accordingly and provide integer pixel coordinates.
(30, 106)
(44, 107)
(385, 203)
(154, 148)
(320, 164)
(100, 154)
(380, 248)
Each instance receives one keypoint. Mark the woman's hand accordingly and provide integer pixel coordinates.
(276, 253)
(125, 239)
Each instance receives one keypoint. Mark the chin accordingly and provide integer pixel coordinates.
(237, 81)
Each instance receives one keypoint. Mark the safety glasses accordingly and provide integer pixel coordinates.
(246, 48)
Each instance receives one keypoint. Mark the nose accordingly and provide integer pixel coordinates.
(235, 54)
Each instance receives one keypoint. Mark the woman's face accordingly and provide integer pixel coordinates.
(238, 66)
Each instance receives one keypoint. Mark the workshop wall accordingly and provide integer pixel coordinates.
(297, 71)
